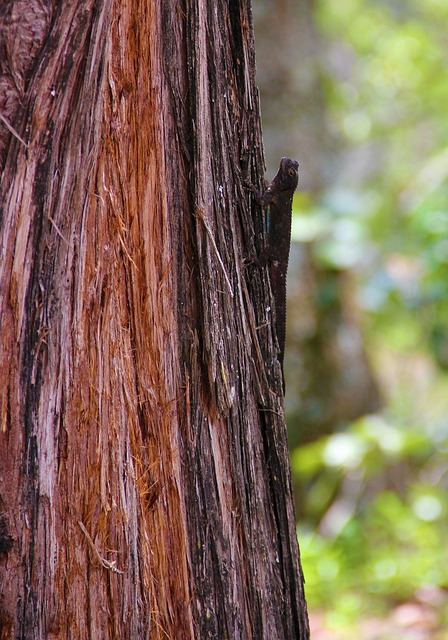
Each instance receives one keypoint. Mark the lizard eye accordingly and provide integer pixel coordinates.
(291, 172)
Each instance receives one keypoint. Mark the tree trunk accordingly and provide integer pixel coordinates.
(145, 488)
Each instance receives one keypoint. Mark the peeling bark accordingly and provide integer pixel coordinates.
(144, 485)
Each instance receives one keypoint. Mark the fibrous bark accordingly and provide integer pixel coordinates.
(144, 488)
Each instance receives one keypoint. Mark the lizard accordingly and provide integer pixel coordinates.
(278, 197)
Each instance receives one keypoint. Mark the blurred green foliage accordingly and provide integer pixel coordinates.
(375, 525)
(384, 536)
(382, 541)
(386, 86)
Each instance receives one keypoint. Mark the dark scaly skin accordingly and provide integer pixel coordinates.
(278, 197)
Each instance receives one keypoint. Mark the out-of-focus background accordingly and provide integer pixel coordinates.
(357, 92)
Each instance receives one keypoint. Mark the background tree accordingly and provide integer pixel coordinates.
(145, 487)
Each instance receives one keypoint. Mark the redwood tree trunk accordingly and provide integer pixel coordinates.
(145, 488)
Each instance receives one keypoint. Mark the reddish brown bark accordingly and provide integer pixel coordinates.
(144, 487)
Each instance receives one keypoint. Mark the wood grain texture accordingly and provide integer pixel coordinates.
(141, 418)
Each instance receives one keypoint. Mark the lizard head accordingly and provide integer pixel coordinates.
(287, 176)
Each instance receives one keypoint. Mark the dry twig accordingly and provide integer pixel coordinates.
(105, 563)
